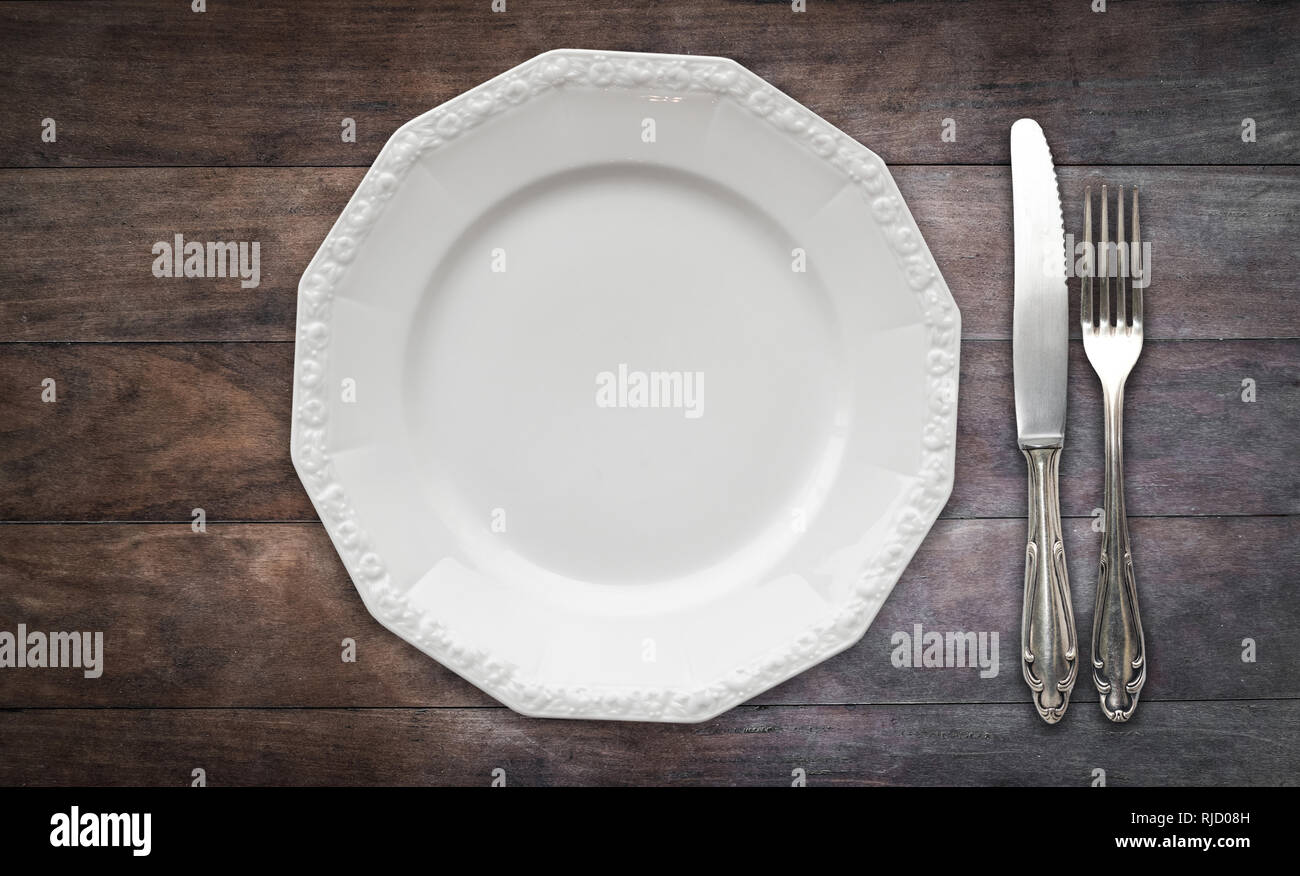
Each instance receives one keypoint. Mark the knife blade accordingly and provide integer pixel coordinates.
(1040, 344)
(1042, 312)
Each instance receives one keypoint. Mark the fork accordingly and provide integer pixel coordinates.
(1118, 646)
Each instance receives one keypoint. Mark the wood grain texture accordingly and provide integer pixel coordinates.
(1221, 247)
(1190, 441)
(148, 432)
(133, 83)
(1174, 744)
(223, 647)
(255, 615)
(78, 250)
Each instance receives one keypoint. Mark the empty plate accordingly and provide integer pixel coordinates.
(625, 386)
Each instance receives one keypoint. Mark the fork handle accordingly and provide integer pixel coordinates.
(1048, 648)
(1119, 666)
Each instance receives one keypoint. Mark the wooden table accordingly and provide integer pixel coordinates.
(223, 647)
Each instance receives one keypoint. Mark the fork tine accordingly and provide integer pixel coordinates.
(1139, 267)
(1086, 319)
(1121, 263)
(1103, 263)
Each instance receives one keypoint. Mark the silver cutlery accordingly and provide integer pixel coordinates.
(1118, 646)
(1048, 645)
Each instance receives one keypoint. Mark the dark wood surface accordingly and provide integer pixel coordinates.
(223, 647)
(174, 594)
(1214, 743)
(1161, 82)
(1204, 224)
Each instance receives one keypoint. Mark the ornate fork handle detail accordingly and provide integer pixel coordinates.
(1048, 647)
(1119, 659)
(1119, 666)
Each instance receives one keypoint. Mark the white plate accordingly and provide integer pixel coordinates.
(471, 336)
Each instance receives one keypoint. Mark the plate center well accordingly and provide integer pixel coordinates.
(617, 374)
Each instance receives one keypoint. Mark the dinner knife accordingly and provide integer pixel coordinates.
(1048, 646)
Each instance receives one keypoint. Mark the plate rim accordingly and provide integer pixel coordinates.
(914, 515)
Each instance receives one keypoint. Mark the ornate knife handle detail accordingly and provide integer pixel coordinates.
(1119, 667)
(1049, 652)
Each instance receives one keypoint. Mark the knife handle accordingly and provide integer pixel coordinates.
(1119, 665)
(1049, 652)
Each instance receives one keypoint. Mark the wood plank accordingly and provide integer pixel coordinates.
(1191, 443)
(148, 432)
(1201, 744)
(1156, 82)
(78, 247)
(1205, 585)
(79, 250)
(254, 616)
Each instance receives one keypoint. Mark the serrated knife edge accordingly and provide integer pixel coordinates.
(1041, 312)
